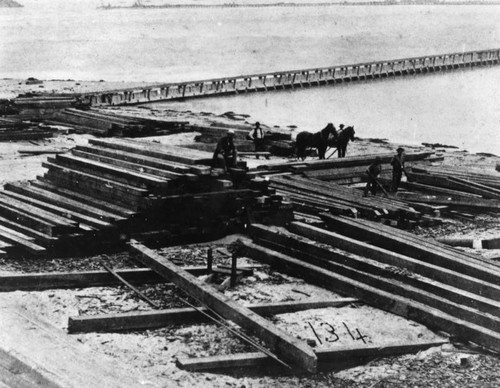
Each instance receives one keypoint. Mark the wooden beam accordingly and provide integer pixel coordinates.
(257, 359)
(420, 250)
(54, 280)
(432, 271)
(286, 346)
(111, 207)
(59, 200)
(373, 296)
(154, 319)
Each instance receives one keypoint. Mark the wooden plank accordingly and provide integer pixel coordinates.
(63, 212)
(484, 271)
(431, 317)
(56, 199)
(42, 238)
(161, 318)
(287, 347)
(477, 292)
(108, 171)
(111, 207)
(257, 359)
(54, 280)
(128, 165)
(21, 240)
(136, 158)
(158, 151)
(447, 298)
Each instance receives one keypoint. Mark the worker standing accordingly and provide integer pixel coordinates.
(225, 154)
(373, 172)
(398, 167)
(257, 135)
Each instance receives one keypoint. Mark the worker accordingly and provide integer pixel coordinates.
(225, 153)
(373, 172)
(257, 135)
(398, 167)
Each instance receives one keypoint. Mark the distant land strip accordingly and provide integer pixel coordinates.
(139, 5)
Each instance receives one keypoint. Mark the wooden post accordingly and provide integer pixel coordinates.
(210, 257)
(234, 264)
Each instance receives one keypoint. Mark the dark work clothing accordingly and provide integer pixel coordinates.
(257, 135)
(397, 163)
(373, 172)
(225, 153)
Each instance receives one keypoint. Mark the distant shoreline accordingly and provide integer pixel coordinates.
(10, 4)
(139, 5)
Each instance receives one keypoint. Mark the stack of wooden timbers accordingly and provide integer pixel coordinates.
(423, 280)
(348, 170)
(105, 123)
(276, 142)
(456, 188)
(313, 196)
(104, 192)
(321, 185)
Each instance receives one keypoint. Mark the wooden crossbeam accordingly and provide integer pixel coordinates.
(161, 318)
(42, 238)
(286, 346)
(257, 359)
(419, 312)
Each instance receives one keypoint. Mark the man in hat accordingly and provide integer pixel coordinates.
(257, 135)
(225, 153)
(398, 167)
(373, 172)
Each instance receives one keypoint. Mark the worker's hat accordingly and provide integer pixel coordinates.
(400, 149)
(341, 126)
(230, 132)
(257, 123)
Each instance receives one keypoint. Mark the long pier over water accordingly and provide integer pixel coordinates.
(294, 79)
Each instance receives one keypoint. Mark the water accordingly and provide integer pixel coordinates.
(54, 39)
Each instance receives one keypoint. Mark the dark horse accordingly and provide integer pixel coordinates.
(340, 142)
(317, 140)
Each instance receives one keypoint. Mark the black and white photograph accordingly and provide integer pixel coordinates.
(249, 193)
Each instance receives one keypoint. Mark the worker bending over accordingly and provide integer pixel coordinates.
(225, 154)
(373, 172)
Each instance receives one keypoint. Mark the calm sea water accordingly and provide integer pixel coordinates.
(54, 39)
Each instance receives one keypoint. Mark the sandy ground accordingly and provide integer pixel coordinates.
(154, 352)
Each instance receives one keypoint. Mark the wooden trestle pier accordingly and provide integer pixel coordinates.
(294, 78)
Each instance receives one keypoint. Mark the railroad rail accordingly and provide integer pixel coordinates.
(294, 78)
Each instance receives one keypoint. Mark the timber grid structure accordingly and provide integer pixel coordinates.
(302, 218)
(295, 78)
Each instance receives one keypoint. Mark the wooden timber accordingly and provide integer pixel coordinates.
(477, 204)
(417, 247)
(459, 281)
(107, 171)
(338, 356)
(111, 207)
(144, 160)
(446, 296)
(161, 318)
(161, 151)
(419, 312)
(56, 199)
(63, 212)
(287, 347)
